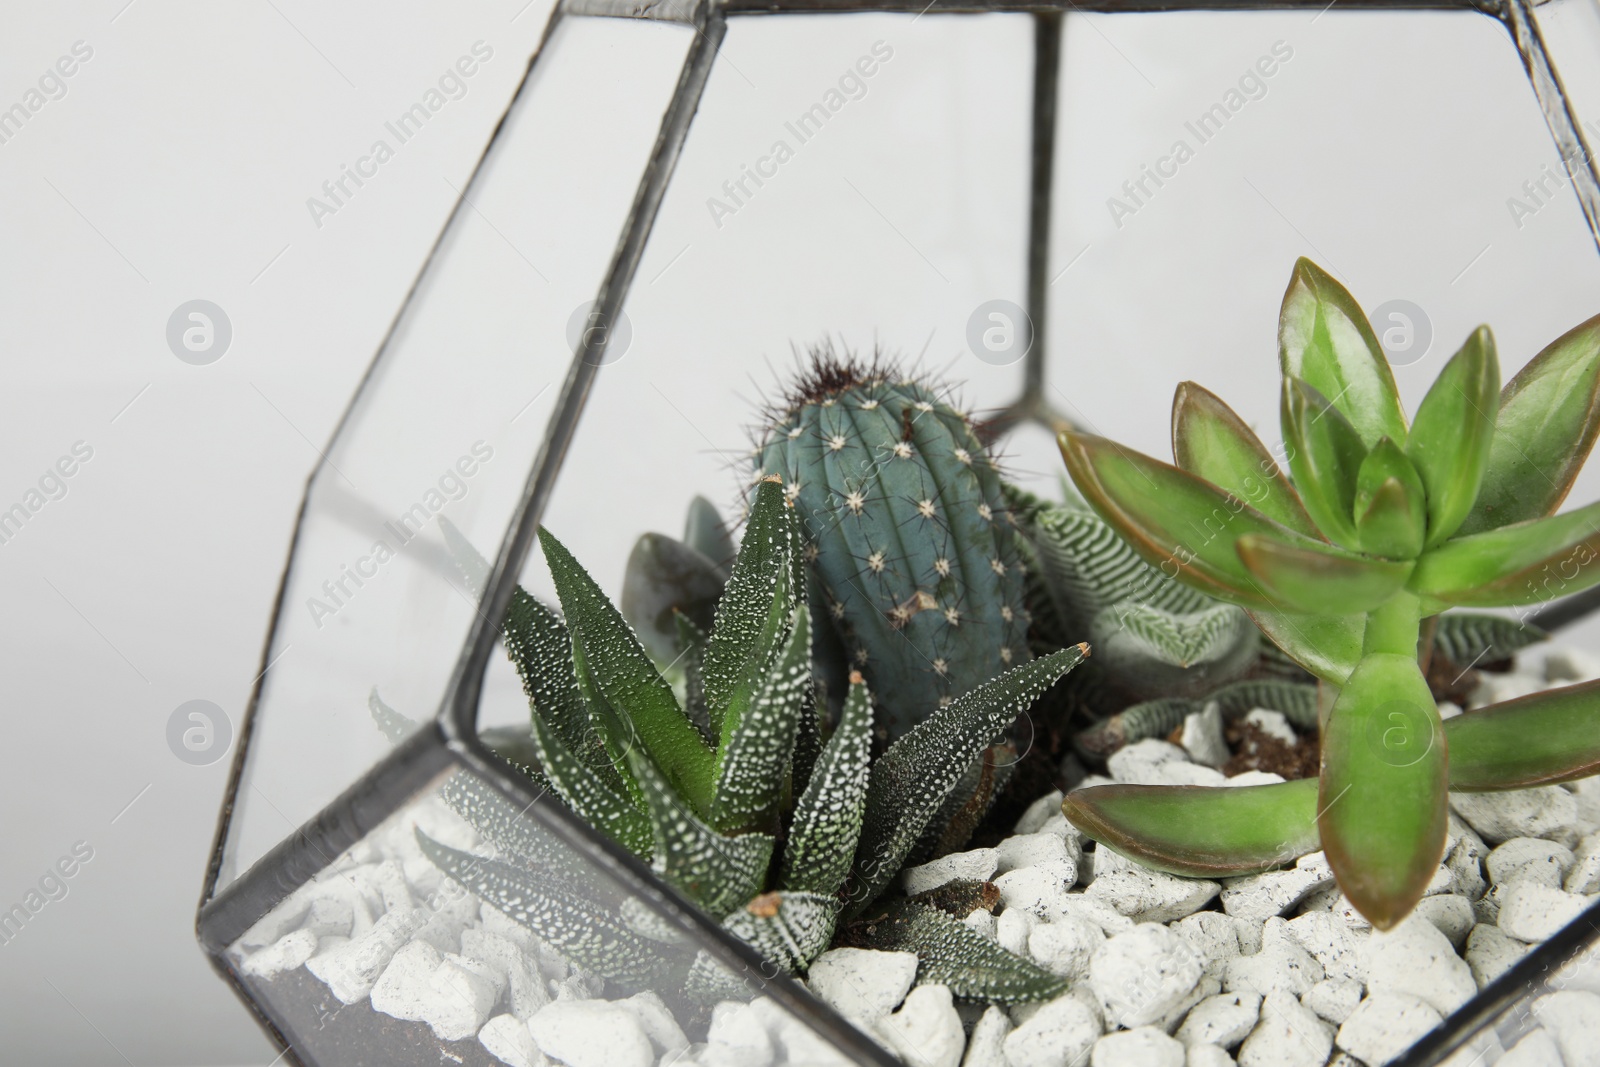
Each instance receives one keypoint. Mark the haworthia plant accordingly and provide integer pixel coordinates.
(756, 812)
(1376, 527)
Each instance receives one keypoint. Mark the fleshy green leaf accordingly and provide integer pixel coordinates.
(827, 817)
(1549, 415)
(1382, 805)
(1454, 431)
(951, 953)
(1320, 580)
(1325, 339)
(704, 532)
(1548, 737)
(1210, 441)
(754, 768)
(608, 810)
(1391, 505)
(910, 781)
(621, 685)
(665, 578)
(1159, 717)
(1200, 832)
(754, 611)
(716, 871)
(1521, 564)
(1329, 646)
(1177, 522)
(1325, 454)
(586, 933)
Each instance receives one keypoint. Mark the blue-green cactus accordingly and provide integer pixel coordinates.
(910, 543)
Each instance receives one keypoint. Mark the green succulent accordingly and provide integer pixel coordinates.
(749, 803)
(1376, 527)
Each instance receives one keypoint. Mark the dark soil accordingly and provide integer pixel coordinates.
(1256, 750)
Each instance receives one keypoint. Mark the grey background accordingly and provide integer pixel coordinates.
(178, 165)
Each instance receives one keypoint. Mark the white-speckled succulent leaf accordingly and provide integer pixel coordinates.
(586, 933)
(753, 614)
(609, 810)
(827, 817)
(910, 781)
(754, 767)
(716, 871)
(790, 929)
(952, 954)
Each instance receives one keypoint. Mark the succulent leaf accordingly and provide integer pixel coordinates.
(1467, 638)
(787, 927)
(704, 532)
(1320, 579)
(1548, 417)
(614, 672)
(1325, 454)
(1382, 806)
(753, 614)
(911, 779)
(1199, 831)
(692, 642)
(1158, 718)
(1324, 338)
(663, 579)
(585, 932)
(1215, 634)
(1453, 433)
(1391, 506)
(1211, 441)
(609, 810)
(1328, 646)
(827, 817)
(1174, 520)
(754, 767)
(393, 725)
(1520, 564)
(952, 954)
(716, 871)
(1541, 739)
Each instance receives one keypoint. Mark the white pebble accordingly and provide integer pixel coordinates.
(1570, 665)
(285, 954)
(1537, 1049)
(650, 1011)
(985, 1046)
(1031, 850)
(1176, 773)
(1585, 874)
(1057, 1033)
(507, 1039)
(1258, 897)
(1040, 889)
(461, 995)
(1288, 1035)
(1533, 912)
(1384, 1026)
(1214, 936)
(1136, 764)
(1490, 953)
(1013, 929)
(1272, 723)
(1145, 1046)
(737, 1036)
(981, 921)
(593, 1033)
(1544, 811)
(1065, 946)
(1332, 943)
(350, 970)
(1531, 859)
(1152, 896)
(1416, 959)
(1039, 812)
(862, 984)
(1464, 861)
(1203, 737)
(1141, 975)
(1453, 916)
(1573, 1019)
(976, 865)
(1333, 999)
(1280, 966)
(926, 1031)
(1225, 1019)
(1255, 778)
(1207, 1056)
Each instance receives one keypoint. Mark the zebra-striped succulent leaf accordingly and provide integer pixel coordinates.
(827, 817)
(911, 780)
(1467, 638)
(716, 871)
(1158, 718)
(951, 953)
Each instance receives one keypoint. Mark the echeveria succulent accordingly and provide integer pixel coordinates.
(1376, 526)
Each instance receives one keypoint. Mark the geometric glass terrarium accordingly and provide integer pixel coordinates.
(680, 195)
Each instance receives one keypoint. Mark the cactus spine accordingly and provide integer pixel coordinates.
(909, 540)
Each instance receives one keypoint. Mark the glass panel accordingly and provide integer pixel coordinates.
(450, 421)
(527, 946)
(894, 204)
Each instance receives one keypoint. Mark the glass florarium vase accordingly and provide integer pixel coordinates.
(1043, 216)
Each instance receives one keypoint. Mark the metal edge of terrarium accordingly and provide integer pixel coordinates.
(247, 722)
(1492, 1002)
(457, 719)
(1097, 7)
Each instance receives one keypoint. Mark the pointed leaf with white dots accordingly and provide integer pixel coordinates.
(910, 781)
(716, 871)
(753, 612)
(609, 810)
(827, 817)
(753, 768)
